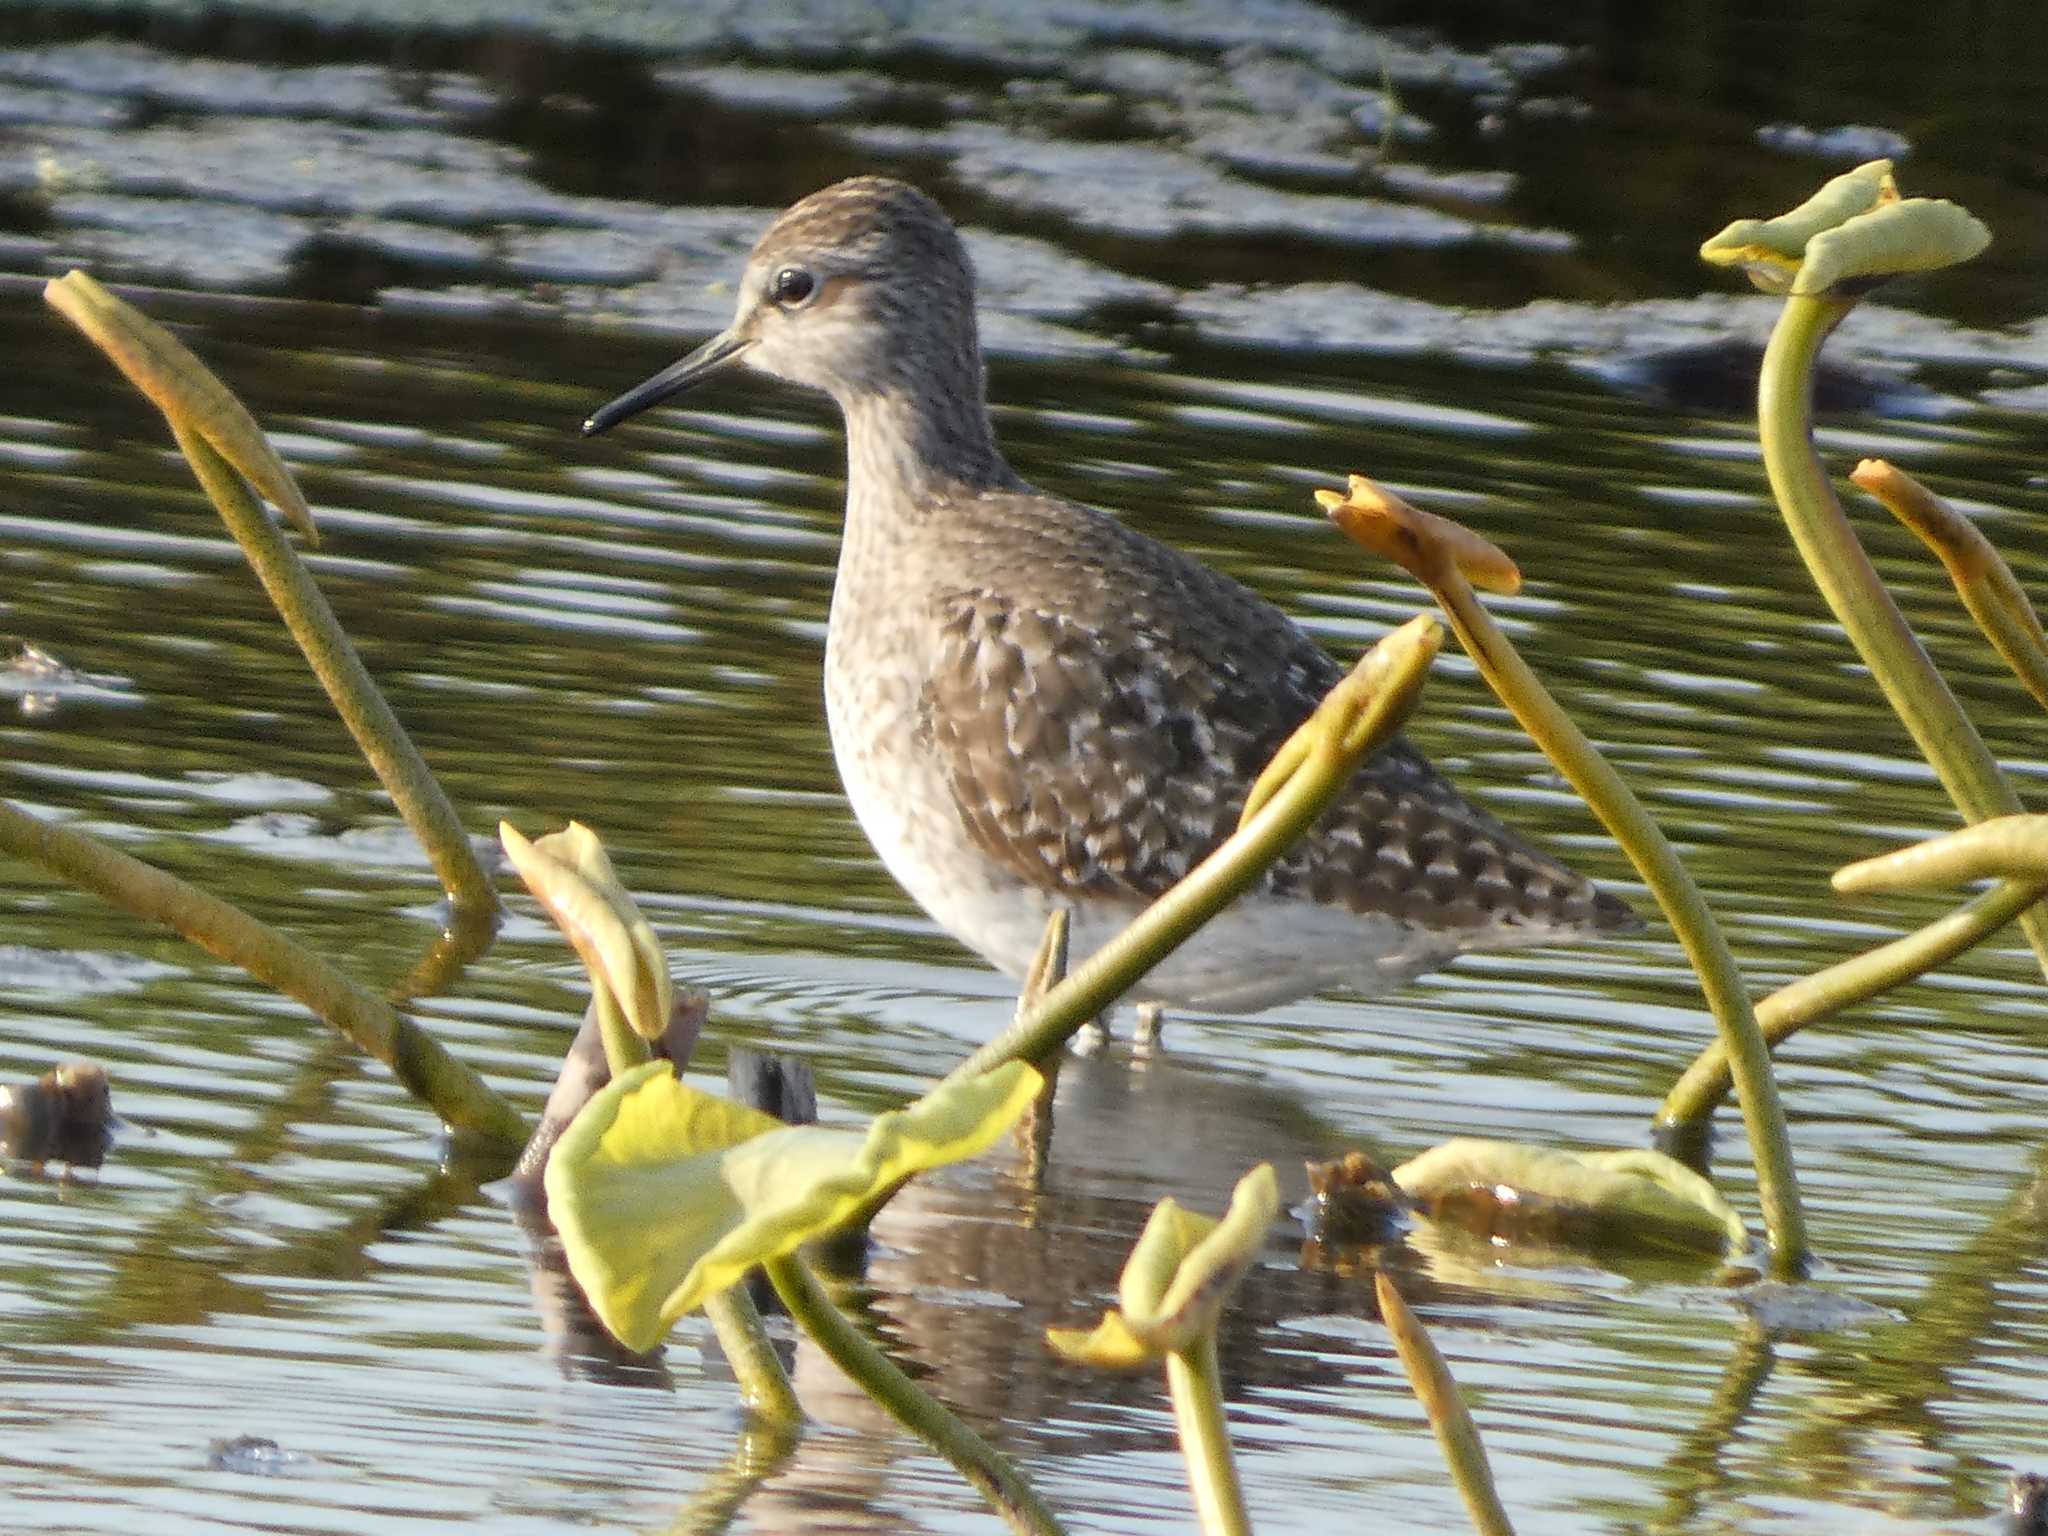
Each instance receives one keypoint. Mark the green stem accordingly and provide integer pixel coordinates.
(764, 1385)
(978, 1461)
(623, 1048)
(391, 754)
(1192, 1377)
(1850, 584)
(454, 1092)
(1597, 783)
(1694, 1097)
(1457, 1436)
(1981, 577)
(1393, 671)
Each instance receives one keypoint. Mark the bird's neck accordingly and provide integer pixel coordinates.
(909, 454)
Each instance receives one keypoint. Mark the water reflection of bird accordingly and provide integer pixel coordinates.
(1035, 707)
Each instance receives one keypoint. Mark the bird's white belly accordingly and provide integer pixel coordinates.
(904, 803)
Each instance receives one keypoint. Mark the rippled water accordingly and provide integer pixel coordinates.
(629, 631)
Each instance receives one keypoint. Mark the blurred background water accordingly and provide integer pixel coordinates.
(1221, 265)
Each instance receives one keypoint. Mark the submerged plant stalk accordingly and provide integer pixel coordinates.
(1451, 1421)
(452, 1090)
(1195, 1382)
(764, 1385)
(1695, 1096)
(978, 1461)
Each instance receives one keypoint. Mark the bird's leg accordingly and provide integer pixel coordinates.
(1048, 969)
(1092, 1038)
(1147, 1034)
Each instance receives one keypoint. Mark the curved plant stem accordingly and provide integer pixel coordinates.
(764, 1385)
(1449, 1418)
(1850, 584)
(2005, 847)
(1193, 1379)
(1694, 1097)
(222, 442)
(391, 754)
(1982, 579)
(1369, 707)
(1641, 839)
(978, 1461)
(426, 1071)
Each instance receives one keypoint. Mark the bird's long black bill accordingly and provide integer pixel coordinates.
(715, 354)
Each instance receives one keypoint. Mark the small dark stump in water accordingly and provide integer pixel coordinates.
(66, 1115)
(1353, 1200)
(2027, 1512)
(782, 1086)
(785, 1087)
(1689, 1142)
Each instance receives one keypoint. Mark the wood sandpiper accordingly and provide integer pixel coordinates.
(1033, 706)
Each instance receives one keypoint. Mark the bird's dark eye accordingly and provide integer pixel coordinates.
(792, 286)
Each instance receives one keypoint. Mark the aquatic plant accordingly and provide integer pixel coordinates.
(665, 1197)
(1170, 1299)
(1851, 235)
(1449, 1419)
(463, 1100)
(1448, 559)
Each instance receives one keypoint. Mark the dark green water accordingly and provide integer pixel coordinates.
(628, 631)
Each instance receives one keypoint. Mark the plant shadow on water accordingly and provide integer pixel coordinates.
(630, 633)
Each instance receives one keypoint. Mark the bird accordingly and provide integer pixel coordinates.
(1034, 707)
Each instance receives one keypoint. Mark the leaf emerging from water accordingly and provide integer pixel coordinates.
(1631, 1198)
(571, 876)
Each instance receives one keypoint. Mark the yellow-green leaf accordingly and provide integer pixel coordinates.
(1855, 226)
(1632, 1197)
(1780, 243)
(1176, 1280)
(1109, 1345)
(1920, 234)
(572, 878)
(164, 369)
(665, 1195)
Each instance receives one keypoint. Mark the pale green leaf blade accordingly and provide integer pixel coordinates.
(665, 1195)
(1631, 1198)
(1920, 234)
